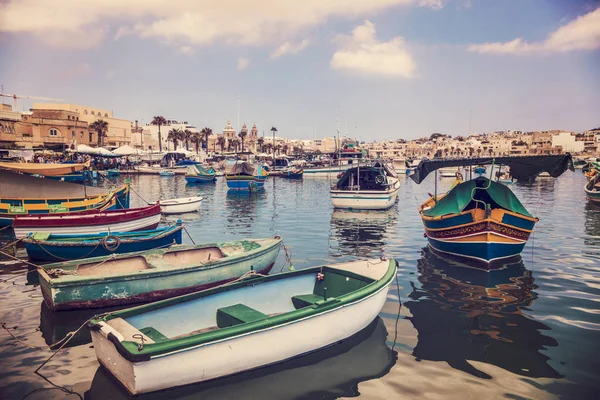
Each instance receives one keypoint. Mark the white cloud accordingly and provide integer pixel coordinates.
(362, 52)
(289, 48)
(433, 4)
(242, 63)
(582, 33)
(186, 50)
(182, 22)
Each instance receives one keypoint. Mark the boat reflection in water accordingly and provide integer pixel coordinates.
(591, 213)
(361, 233)
(330, 373)
(463, 314)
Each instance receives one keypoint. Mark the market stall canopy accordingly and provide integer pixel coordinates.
(521, 167)
(43, 169)
(127, 150)
(95, 151)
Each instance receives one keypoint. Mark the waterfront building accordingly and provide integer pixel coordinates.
(119, 130)
(568, 142)
(164, 133)
(47, 128)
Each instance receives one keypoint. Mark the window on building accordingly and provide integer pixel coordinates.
(106, 115)
(85, 112)
(93, 113)
(91, 137)
(53, 132)
(82, 134)
(73, 134)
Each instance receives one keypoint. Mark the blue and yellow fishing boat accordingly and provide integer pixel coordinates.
(22, 194)
(480, 219)
(246, 176)
(198, 174)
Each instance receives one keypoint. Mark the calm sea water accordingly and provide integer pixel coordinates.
(530, 330)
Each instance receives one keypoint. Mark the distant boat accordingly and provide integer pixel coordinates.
(449, 172)
(89, 222)
(154, 274)
(400, 166)
(57, 247)
(181, 205)
(246, 176)
(366, 188)
(241, 326)
(544, 174)
(292, 173)
(199, 174)
(166, 173)
(22, 195)
(113, 172)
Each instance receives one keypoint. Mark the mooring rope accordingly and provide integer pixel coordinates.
(288, 259)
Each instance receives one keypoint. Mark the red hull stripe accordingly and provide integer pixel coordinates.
(88, 219)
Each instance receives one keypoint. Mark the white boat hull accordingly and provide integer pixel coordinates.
(331, 171)
(129, 226)
(365, 199)
(239, 353)
(180, 208)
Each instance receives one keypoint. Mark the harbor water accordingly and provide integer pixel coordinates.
(529, 330)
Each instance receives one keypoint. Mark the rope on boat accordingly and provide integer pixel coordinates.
(110, 243)
(399, 309)
(190, 236)
(6, 227)
(288, 259)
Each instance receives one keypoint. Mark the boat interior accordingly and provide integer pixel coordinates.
(256, 301)
(365, 178)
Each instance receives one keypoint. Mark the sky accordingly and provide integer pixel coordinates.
(378, 69)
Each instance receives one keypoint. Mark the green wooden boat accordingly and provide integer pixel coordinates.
(241, 326)
(154, 274)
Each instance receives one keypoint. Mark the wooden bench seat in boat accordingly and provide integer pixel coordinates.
(128, 331)
(305, 300)
(237, 314)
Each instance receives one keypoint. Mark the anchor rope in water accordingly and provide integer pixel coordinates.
(288, 258)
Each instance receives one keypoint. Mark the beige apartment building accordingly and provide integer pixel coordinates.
(119, 130)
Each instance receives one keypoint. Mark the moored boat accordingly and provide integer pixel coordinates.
(241, 326)
(113, 172)
(57, 247)
(89, 222)
(246, 176)
(181, 205)
(592, 188)
(152, 275)
(23, 195)
(166, 173)
(373, 187)
(480, 219)
(292, 173)
(199, 174)
(448, 172)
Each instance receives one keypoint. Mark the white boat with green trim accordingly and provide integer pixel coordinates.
(154, 274)
(241, 326)
(368, 187)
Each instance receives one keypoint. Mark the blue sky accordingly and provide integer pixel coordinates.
(396, 68)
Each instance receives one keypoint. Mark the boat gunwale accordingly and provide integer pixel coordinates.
(110, 193)
(181, 204)
(471, 211)
(143, 236)
(95, 216)
(76, 280)
(156, 350)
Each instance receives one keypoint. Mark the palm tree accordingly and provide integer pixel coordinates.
(278, 148)
(159, 121)
(242, 135)
(196, 138)
(187, 136)
(174, 136)
(273, 130)
(260, 142)
(268, 147)
(285, 148)
(206, 132)
(101, 127)
(221, 142)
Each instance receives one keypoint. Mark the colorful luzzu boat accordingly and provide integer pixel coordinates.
(246, 176)
(482, 220)
(27, 195)
(478, 219)
(198, 174)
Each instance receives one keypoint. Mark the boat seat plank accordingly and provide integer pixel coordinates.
(305, 300)
(154, 334)
(237, 314)
(127, 331)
